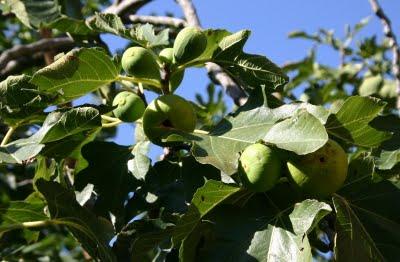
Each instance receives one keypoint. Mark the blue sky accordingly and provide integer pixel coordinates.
(270, 22)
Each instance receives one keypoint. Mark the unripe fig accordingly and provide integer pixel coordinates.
(259, 167)
(167, 56)
(140, 63)
(322, 172)
(166, 115)
(189, 44)
(130, 107)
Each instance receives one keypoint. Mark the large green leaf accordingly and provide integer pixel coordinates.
(35, 13)
(20, 101)
(251, 71)
(108, 172)
(92, 232)
(367, 224)
(307, 214)
(76, 73)
(58, 125)
(221, 146)
(204, 200)
(20, 214)
(351, 122)
(246, 232)
(302, 134)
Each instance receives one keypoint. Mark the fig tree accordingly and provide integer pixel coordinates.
(322, 172)
(167, 56)
(166, 115)
(129, 106)
(140, 63)
(189, 44)
(259, 167)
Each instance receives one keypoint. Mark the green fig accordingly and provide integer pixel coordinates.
(129, 106)
(189, 44)
(166, 115)
(259, 167)
(167, 56)
(140, 63)
(321, 173)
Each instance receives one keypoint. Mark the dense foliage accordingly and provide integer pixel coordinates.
(281, 178)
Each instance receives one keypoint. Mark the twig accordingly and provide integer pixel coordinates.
(7, 136)
(158, 20)
(215, 71)
(190, 12)
(389, 33)
(126, 5)
(112, 124)
(14, 54)
(41, 45)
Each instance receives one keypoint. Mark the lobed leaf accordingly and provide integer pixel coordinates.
(93, 233)
(302, 134)
(307, 214)
(351, 122)
(367, 223)
(76, 73)
(204, 200)
(35, 13)
(251, 71)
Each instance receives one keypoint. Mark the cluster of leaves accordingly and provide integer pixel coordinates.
(121, 207)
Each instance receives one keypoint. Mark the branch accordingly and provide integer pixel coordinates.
(11, 59)
(125, 5)
(158, 20)
(389, 33)
(189, 12)
(42, 45)
(215, 71)
(17, 65)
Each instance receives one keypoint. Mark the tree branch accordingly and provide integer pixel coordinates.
(158, 20)
(215, 71)
(12, 58)
(389, 33)
(125, 5)
(42, 45)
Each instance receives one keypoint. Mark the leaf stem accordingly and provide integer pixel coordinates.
(198, 131)
(109, 118)
(139, 80)
(192, 63)
(35, 223)
(7, 136)
(112, 124)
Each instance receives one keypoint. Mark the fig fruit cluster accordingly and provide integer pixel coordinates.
(318, 174)
(168, 114)
(165, 115)
(144, 64)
